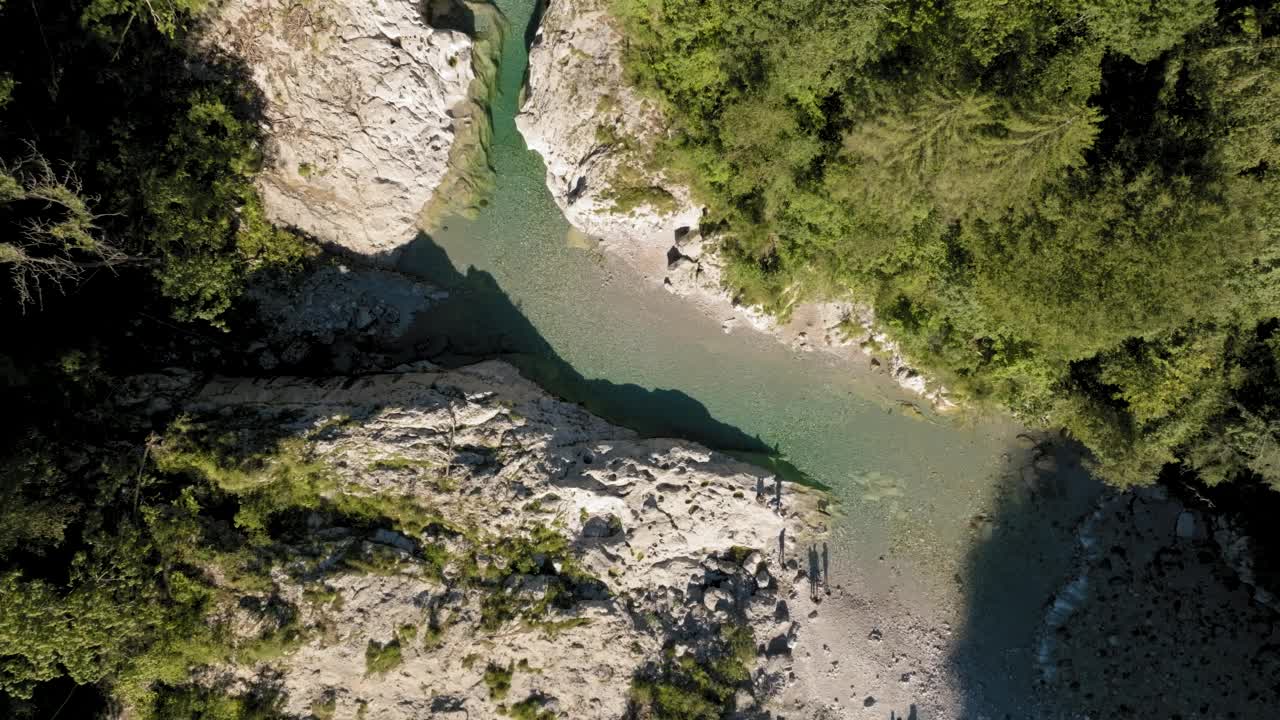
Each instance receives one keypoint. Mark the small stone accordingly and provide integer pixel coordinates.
(159, 405)
(1186, 525)
(869, 701)
(763, 579)
(267, 360)
(597, 526)
(363, 319)
(1046, 464)
(712, 598)
(875, 635)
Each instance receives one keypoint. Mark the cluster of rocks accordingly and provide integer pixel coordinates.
(338, 314)
(691, 265)
(678, 542)
(1158, 619)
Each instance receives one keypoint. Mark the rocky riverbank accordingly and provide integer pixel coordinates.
(597, 134)
(618, 556)
(1157, 578)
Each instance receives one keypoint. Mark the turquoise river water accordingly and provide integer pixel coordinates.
(933, 516)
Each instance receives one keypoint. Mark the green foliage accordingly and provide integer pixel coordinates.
(144, 162)
(81, 632)
(207, 218)
(1094, 266)
(31, 516)
(108, 17)
(380, 658)
(1067, 207)
(1143, 29)
(203, 703)
(270, 475)
(700, 687)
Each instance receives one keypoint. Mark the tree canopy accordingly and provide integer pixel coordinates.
(124, 150)
(1067, 207)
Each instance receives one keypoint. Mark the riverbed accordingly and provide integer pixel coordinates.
(950, 534)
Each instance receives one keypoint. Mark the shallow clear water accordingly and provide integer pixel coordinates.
(590, 330)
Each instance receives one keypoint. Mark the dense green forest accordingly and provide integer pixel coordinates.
(129, 225)
(121, 149)
(1068, 207)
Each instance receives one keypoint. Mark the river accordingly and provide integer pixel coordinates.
(932, 512)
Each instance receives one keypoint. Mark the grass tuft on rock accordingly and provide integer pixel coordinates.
(380, 658)
(531, 708)
(498, 679)
(697, 686)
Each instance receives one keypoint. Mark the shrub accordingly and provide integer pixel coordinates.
(498, 679)
(380, 658)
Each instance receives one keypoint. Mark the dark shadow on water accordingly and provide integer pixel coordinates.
(1159, 626)
(1023, 553)
(479, 320)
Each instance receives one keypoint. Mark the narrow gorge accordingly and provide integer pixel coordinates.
(505, 444)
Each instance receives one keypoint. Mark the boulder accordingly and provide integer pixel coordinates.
(358, 95)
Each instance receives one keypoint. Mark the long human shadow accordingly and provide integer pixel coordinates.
(480, 320)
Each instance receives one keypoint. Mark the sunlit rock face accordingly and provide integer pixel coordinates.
(364, 102)
(594, 132)
(663, 545)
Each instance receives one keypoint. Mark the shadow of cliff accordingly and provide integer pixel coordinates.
(1136, 622)
(454, 15)
(1023, 553)
(479, 320)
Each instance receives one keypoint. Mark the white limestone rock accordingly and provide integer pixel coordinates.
(576, 101)
(660, 523)
(364, 102)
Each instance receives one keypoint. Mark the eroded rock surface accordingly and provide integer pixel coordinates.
(364, 104)
(670, 544)
(593, 132)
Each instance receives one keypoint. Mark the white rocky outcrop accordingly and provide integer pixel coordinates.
(366, 105)
(678, 541)
(594, 132)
